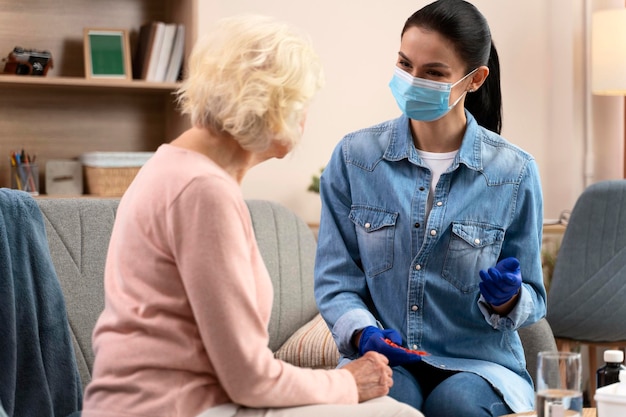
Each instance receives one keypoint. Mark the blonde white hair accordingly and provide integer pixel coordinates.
(252, 78)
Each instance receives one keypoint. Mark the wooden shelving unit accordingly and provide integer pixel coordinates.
(63, 115)
(21, 81)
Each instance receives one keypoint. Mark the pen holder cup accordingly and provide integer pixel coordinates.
(25, 177)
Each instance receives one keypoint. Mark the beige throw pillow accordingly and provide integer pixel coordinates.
(311, 346)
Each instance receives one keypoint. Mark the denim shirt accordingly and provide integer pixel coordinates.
(381, 262)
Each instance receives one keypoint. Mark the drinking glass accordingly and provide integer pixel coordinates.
(559, 384)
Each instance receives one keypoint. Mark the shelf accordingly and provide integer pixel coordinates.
(63, 114)
(7, 81)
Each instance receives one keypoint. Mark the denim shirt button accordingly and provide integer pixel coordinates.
(439, 204)
(418, 267)
(433, 232)
(477, 241)
(414, 347)
(367, 225)
(414, 308)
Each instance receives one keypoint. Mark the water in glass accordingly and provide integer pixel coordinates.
(559, 403)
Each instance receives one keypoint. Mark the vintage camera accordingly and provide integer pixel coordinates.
(28, 62)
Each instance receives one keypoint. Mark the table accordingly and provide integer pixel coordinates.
(587, 412)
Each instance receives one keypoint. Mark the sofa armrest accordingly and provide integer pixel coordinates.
(311, 346)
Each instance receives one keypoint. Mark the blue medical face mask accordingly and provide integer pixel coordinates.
(422, 99)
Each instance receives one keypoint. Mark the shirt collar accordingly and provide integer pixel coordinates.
(401, 144)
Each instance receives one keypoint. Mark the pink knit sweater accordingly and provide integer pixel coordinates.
(188, 302)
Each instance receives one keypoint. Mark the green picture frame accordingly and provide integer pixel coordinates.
(107, 54)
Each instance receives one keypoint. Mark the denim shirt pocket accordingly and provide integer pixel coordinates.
(375, 229)
(471, 244)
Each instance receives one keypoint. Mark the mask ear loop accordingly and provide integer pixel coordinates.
(450, 107)
(467, 75)
(464, 93)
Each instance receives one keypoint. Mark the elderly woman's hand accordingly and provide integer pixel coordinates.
(372, 375)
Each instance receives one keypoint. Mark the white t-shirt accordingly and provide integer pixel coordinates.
(438, 164)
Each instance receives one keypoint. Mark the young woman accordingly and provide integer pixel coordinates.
(188, 298)
(431, 225)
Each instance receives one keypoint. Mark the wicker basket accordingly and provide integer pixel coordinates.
(108, 174)
(109, 182)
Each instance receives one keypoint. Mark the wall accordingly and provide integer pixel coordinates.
(607, 119)
(542, 52)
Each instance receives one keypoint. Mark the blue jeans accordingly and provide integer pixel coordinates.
(440, 393)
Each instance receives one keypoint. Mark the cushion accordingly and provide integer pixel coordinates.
(311, 346)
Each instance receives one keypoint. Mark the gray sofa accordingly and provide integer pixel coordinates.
(78, 231)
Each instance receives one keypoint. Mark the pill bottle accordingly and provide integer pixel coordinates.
(609, 373)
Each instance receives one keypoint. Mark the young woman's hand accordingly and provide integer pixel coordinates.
(500, 284)
(388, 342)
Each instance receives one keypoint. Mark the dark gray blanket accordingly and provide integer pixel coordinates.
(38, 372)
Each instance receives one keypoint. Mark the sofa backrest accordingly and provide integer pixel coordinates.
(288, 247)
(78, 236)
(79, 231)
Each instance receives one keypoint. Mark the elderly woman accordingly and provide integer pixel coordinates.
(188, 298)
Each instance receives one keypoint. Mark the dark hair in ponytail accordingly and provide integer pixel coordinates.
(462, 24)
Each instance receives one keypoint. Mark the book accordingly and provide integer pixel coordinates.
(176, 57)
(165, 51)
(154, 49)
(142, 53)
(150, 38)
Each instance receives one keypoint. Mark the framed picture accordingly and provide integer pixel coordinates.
(107, 54)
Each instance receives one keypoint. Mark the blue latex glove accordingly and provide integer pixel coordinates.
(500, 283)
(373, 338)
